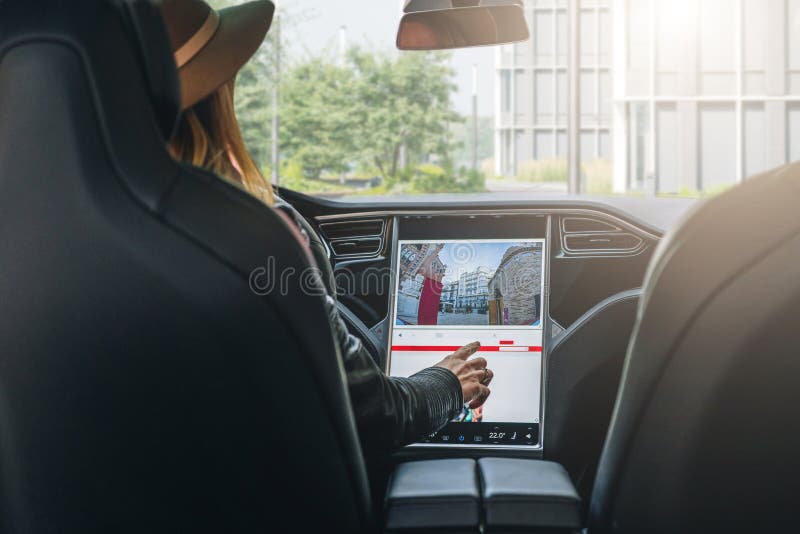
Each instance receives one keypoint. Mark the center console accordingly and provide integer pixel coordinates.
(535, 285)
(491, 495)
(524, 283)
(459, 279)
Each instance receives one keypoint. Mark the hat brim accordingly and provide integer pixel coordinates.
(241, 31)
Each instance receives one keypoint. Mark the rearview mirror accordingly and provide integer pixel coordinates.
(481, 23)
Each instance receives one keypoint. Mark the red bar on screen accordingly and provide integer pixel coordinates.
(447, 348)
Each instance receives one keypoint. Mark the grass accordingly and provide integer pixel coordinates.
(425, 178)
(686, 192)
(543, 170)
(598, 174)
(599, 177)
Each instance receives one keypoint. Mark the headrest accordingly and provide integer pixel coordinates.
(101, 31)
(149, 34)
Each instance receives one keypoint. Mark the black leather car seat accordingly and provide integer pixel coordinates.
(144, 386)
(706, 433)
(584, 366)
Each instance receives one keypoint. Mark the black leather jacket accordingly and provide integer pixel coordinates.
(393, 411)
(389, 411)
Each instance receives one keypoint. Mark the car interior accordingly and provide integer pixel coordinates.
(137, 362)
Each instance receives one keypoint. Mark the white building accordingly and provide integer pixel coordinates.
(449, 296)
(473, 289)
(678, 94)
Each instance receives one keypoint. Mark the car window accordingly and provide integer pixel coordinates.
(676, 98)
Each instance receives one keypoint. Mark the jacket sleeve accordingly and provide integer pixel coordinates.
(390, 411)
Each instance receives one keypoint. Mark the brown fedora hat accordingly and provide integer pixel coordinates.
(209, 46)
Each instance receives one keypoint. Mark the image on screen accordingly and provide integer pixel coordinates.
(469, 284)
(450, 293)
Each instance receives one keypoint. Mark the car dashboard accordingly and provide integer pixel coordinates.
(593, 261)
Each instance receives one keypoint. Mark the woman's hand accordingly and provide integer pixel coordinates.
(473, 374)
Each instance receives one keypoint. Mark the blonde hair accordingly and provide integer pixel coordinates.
(208, 136)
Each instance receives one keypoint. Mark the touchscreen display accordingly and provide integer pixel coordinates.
(452, 292)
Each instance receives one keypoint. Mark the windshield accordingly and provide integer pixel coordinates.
(672, 98)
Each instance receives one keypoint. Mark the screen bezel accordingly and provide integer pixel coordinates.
(546, 320)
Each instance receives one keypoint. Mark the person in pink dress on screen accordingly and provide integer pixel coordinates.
(431, 296)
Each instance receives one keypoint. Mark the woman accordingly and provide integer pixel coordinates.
(209, 50)
(430, 297)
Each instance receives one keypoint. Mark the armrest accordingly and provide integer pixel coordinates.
(434, 494)
(528, 494)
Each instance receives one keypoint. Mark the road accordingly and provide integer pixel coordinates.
(454, 319)
(513, 186)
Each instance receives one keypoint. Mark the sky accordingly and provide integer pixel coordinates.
(462, 258)
(316, 27)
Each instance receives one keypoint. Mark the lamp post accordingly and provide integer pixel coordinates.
(574, 121)
(342, 45)
(475, 116)
(276, 160)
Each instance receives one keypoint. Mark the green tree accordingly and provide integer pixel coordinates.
(366, 112)
(463, 132)
(318, 120)
(379, 112)
(402, 102)
(254, 111)
(254, 84)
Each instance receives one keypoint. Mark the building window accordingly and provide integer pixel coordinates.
(717, 145)
(755, 144)
(638, 140)
(668, 149)
(543, 34)
(793, 127)
(717, 46)
(793, 48)
(505, 83)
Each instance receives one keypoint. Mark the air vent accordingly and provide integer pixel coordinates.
(349, 229)
(354, 239)
(602, 242)
(584, 225)
(357, 247)
(596, 236)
